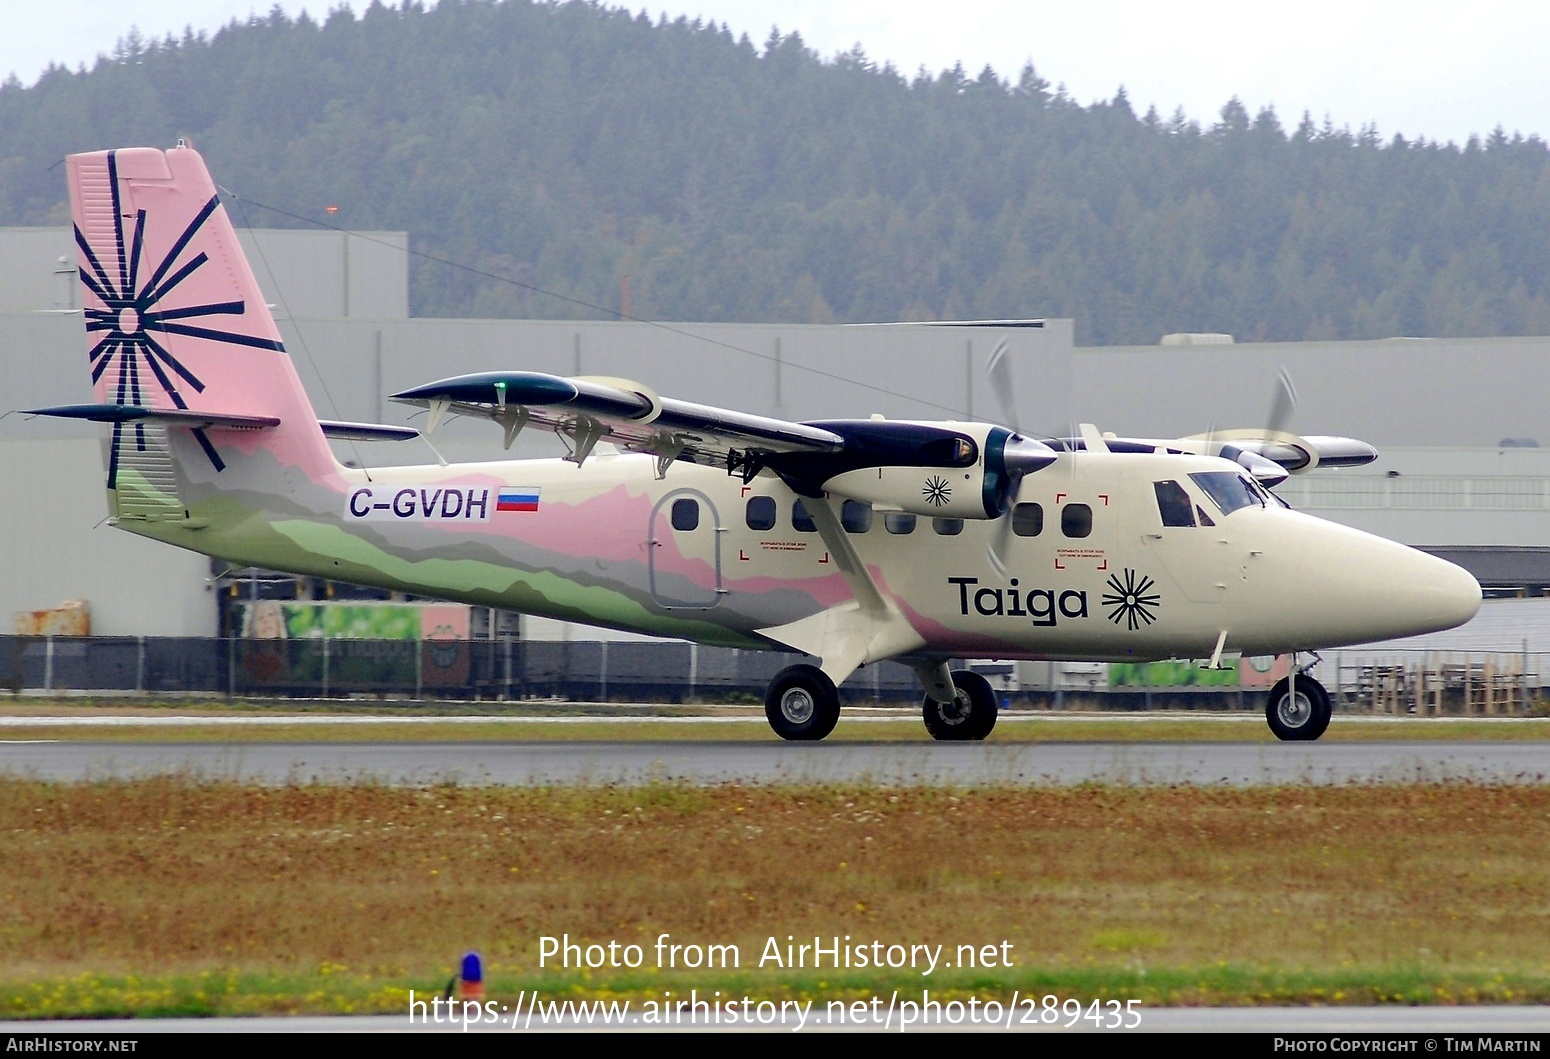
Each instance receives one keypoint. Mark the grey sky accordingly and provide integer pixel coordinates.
(1421, 67)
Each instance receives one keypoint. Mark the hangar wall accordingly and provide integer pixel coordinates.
(1395, 392)
(1436, 408)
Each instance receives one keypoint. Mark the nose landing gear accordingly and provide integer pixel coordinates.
(1298, 708)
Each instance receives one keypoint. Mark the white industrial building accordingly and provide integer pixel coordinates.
(1454, 419)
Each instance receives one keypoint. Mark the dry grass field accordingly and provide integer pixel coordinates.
(168, 895)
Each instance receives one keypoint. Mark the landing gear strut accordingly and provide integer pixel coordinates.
(802, 703)
(1298, 713)
(970, 716)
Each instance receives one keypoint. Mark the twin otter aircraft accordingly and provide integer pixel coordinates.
(852, 541)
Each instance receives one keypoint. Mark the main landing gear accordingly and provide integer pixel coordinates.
(969, 716)
(1298, 708)
(802, 704)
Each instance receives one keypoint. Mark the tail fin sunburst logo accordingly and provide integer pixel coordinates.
(134, 315)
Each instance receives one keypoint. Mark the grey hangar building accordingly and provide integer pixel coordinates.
(1457, 421)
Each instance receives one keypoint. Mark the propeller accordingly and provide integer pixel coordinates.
(1266, 454)
(999, 372)
(1022, 455)
(1282, 404)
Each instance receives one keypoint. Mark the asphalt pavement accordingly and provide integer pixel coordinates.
(633, 763)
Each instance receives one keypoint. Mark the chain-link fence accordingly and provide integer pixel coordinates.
(1459, 683)
(592, 671)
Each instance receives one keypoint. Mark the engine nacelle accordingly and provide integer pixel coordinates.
(941, 470)
(939, 492)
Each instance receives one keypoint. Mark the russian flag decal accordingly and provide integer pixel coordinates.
(521, 498)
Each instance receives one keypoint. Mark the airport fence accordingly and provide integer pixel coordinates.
(1420, 683)
(322, 668)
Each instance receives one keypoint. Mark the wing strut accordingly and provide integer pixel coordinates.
(869, 628)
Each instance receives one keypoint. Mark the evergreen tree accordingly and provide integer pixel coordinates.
(567, 144)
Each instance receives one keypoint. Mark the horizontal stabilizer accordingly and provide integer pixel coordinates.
(366, 431)
(178, 417)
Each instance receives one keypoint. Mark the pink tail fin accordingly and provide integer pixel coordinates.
(174, 316)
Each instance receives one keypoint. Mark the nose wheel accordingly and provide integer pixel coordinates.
(970, 716)
(1298, 711)
(802, 703)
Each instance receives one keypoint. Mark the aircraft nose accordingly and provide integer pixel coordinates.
(1433, 594)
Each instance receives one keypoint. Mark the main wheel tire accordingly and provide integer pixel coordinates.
(802, 703)
(1302, 719)
(970, 716)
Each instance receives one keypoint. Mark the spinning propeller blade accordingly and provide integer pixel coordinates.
(1282, 405)
(999, 373)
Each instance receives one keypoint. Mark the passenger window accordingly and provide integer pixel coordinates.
(1174, 504)
(899, 523)
(761, 512)
(1076, 520)
(856, 516)
(686, 514)
(801, 521)
(947, 527)
(1028, 520)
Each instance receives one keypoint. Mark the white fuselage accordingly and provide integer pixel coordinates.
(1128, 588)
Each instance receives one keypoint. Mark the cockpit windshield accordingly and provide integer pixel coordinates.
(1230, 491)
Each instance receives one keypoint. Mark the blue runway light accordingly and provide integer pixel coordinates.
(470, 984)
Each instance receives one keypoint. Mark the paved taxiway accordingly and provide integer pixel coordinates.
(534, 763)
(1421, 1022)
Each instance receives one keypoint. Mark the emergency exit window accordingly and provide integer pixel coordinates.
(801, 521)
(1076, 520)
(761, 512)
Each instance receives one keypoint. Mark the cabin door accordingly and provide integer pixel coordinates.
(684, 551)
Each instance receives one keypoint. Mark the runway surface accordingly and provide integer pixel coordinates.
(1420, 1022)
(518, 764)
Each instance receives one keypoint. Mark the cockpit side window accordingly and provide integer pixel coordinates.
(1174, 504)
(1229, 491)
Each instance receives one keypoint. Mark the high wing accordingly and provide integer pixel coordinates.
(813, 458)
(1270, 456)
(587, 409)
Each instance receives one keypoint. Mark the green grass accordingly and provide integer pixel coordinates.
(341, 991)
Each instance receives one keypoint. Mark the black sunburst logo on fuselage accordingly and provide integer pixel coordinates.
(133, 311)
(937, 491)
(1131, 602)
